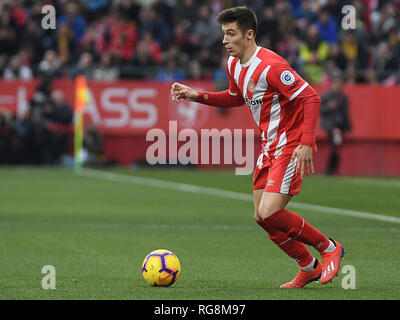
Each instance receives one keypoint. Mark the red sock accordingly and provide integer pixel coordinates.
(291, 247)
(297, 228)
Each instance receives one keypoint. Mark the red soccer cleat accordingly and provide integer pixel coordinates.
(304, 277)
(331, 262)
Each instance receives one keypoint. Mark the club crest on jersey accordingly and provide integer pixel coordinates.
(251, 87)
(287, 77)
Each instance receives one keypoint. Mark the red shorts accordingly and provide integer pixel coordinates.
(277, 175)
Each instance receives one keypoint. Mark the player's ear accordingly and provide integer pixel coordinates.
(250, 34)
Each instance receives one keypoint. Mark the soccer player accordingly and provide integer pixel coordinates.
(285, 108)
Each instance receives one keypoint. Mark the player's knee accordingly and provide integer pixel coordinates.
(266, 210)
(257, 217)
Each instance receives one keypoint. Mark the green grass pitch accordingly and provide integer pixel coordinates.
(96, 233)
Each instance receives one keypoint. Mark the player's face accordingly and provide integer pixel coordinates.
(234, 40)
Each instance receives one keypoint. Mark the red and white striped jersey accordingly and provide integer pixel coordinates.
(269, 87)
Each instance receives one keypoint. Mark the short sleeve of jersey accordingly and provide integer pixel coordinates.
(233, 88)
(285, 80)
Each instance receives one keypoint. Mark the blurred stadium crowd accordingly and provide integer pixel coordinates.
(180, 39)
(172, 40)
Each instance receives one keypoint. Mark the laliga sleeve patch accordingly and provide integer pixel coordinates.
(287, 77)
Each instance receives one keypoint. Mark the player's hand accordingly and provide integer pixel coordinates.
(180, 91)
(304, 155)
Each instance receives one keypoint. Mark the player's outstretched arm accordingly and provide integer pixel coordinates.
(222, 99)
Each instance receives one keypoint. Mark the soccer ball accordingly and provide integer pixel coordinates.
(161, 268)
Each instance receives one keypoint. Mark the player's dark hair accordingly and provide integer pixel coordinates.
(244, 17)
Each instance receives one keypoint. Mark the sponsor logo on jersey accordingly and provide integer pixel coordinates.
(287, 77)
(254, 104)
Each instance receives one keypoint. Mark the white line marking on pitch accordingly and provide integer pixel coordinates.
(151, 182)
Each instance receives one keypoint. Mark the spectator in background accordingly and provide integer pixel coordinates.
(268, 27)
(50, 66)
(153, 47)
(46, 39)
(394, 48)
(38, 105)
(33, 39)
(337, 56)
(24, 142)
(74, 20)
(207, 60)
(370, 76)
(384, 20)
(206, 30)
(282, 8)
(98, 38)
(164, 10)
(92, 147)
(18, 13)
(151, 21)
(130, 9)
(25, 56)
(394, 43)
(84, 66)
(186, 9)
(286, 24)
(352, 75)
(141, 63)
(329, 70)
(327, 27)
(115, 34)
(8, 32)
(170, 72)
(335, 119)
(34, 10)
(350, 48)
(363, 59)
(334, 8)
(7, 137)
(295, 7)
(62, 112)
(106, 70)
(91, 41)
(186, 42)
(124, 39)
(66, 44)
(39, 97)
(313, 52)
(3, 62)
(58, 116)
(95, 8)
(288, 46)
(181, 59)
(307, 14)
(194, 71)
(385, 64)
(16, 70)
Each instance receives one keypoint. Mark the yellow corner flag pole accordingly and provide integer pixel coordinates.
(81, 100)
